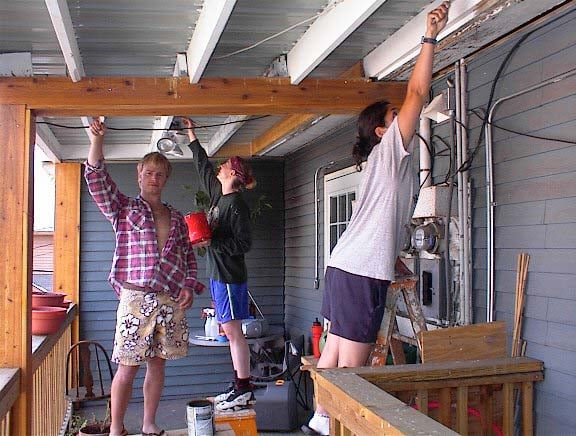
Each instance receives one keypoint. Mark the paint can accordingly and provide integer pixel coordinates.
(200, 418)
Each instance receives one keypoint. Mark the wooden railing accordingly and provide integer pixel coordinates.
(468, 397)
(9, 390)
(49, 405)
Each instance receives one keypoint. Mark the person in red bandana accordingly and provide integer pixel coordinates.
(229, 219)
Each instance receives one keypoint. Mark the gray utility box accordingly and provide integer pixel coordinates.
(276, 406)
(432, 289)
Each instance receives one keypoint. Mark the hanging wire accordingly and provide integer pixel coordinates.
(468, 163)
(301, 23)
(147, 129)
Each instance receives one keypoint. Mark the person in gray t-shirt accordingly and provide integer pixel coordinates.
(362, 264)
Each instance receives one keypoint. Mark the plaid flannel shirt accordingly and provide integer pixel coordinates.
(136, 259)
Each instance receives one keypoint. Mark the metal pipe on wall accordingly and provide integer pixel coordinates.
(467, 221)
(490, 204)
(425, 156)
(460, 192)
(316, 224)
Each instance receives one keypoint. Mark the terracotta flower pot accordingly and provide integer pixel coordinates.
(198, 228)
(46, 320)
(42, 299)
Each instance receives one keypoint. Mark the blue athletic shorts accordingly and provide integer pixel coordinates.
(231, 300)
(354, 305)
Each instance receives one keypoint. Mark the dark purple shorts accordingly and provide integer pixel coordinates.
(354, 305)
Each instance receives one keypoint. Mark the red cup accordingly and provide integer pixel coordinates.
(198, 228)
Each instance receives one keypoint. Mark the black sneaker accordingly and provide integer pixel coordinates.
(235, 400)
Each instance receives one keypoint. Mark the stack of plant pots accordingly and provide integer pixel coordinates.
(48, 311)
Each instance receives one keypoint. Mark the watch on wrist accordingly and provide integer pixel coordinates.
(425, 40)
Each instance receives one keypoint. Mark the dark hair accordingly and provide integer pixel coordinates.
(370, 118)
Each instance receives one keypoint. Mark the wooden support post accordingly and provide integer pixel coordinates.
(462, 410)
(16, 216)
(67, 235)
(508, 409)
(444, 415)
(486, 409)
(422, 401)
(527, 408)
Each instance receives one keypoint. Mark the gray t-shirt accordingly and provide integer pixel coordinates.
(374, 236)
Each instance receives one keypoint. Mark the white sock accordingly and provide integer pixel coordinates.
(320, 423)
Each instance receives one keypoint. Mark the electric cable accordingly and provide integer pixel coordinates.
(468, 163)
(301, 23)
(146, 129)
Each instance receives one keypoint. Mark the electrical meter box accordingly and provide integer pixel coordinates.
(432, 289)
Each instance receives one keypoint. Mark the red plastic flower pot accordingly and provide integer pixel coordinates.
(47, 299)
(198, 228)
(46, 320)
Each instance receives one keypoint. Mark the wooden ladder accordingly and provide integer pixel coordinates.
(388, 336)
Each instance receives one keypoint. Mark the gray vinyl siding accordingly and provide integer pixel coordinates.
(204, 371)
(535, 191)
(302, 300)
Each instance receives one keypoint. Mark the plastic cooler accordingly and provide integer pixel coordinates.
(276, 406)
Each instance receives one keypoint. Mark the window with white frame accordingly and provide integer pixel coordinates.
(340, 193)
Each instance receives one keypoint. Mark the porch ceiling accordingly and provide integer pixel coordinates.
(97, 50)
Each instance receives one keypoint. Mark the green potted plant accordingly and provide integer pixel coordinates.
(198, 228)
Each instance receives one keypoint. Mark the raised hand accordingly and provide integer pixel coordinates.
(189, 124)
(437, 19)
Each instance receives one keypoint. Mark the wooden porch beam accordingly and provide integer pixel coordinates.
(148, 96)
(16, 216)
(297, 122)
(67, 235)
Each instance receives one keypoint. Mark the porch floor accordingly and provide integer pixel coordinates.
(171, 416)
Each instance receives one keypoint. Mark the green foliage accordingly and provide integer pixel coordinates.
(75, 424)
(258, 208)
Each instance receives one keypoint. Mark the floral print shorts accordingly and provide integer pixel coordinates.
(148, 325)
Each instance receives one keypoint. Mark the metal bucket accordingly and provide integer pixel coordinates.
(200, 418)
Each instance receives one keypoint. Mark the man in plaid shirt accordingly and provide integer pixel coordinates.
(154, 274)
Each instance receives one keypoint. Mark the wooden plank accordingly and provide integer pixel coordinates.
(397, 350)
(281, 129)
(16, 212)
(447, 370)
(468, 381)
(508, 409)
(477, 341)
(445, 410)
(67, 235)
(293, 123)
(422, 401)
(365, 409)
(165, 96)
(462, 410)
(527, 408)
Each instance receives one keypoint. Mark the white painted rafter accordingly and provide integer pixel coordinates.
(47, 142)
(225, 132)
(209, 27)
(62, 23)
(326, 33)
(403, 45)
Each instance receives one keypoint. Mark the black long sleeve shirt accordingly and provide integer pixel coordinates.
(229, 219)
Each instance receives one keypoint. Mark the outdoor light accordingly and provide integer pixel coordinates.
(168, 144)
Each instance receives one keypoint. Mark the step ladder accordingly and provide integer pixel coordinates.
(389, 339)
